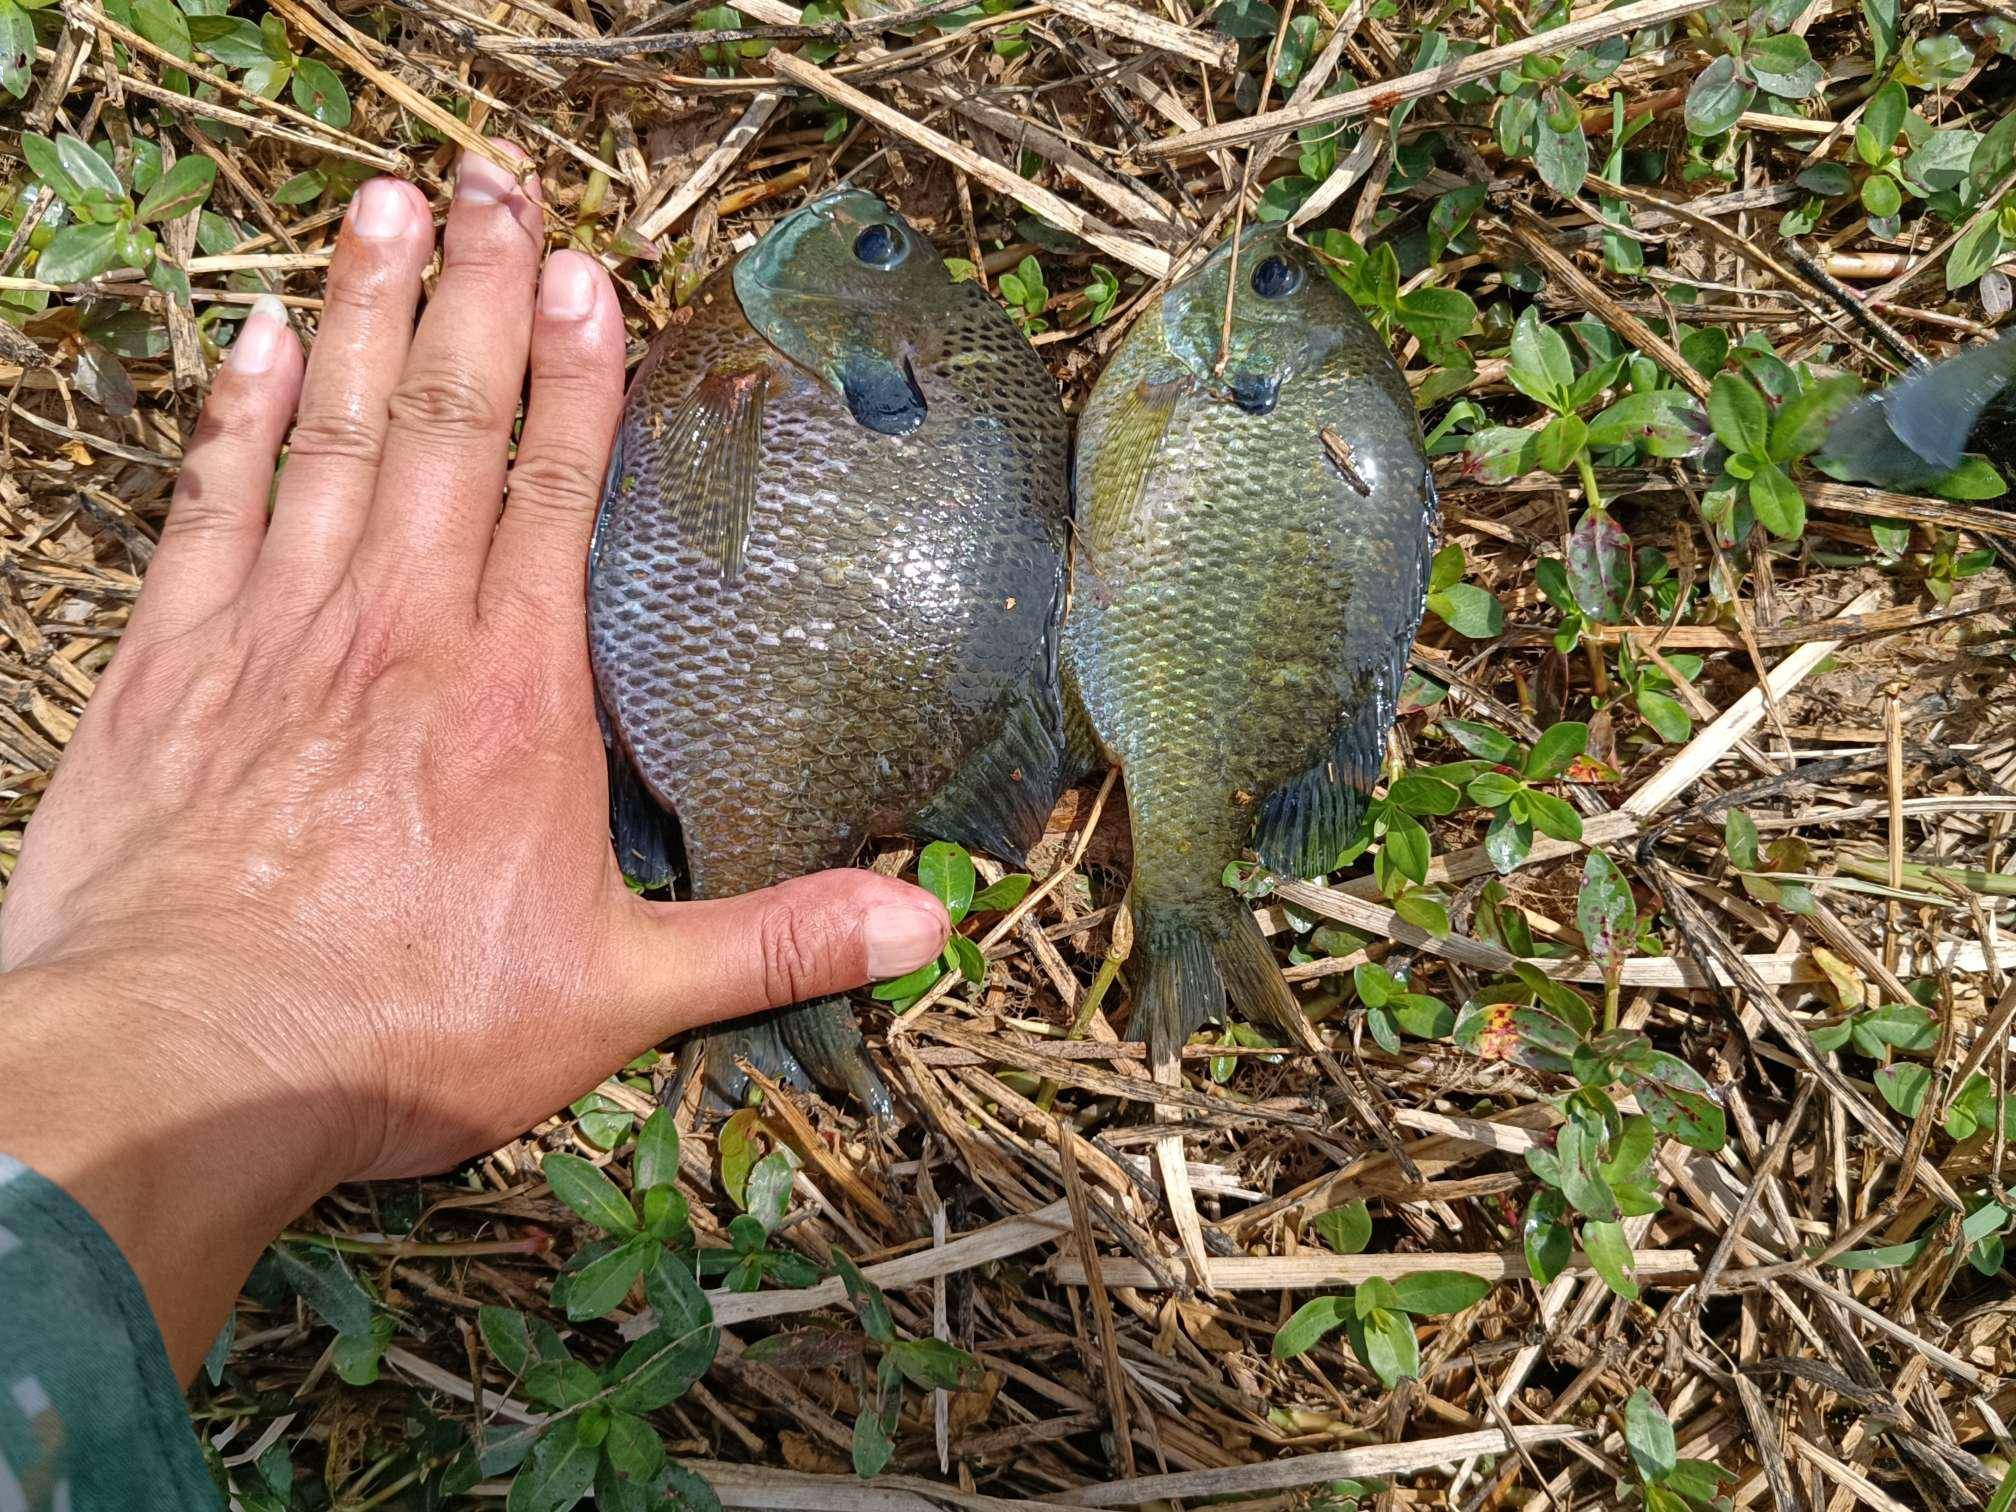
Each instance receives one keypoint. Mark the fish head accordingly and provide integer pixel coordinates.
(845, 287)
(1287, 319)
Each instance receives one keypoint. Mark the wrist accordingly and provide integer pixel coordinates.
(191, 1146)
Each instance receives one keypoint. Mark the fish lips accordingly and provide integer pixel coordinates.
(883, 395)
(1255, 393)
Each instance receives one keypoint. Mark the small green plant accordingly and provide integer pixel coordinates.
(1393, 822)
(1761, 447)
(596, 1437)
(17, 45)
(1667, 1482)
(1097, 298)
(1597, 1171)
(1439, 317)
(1464, 607)
(1377, 1316)
(1786, 854)
(925, 1363)
(946, 871)
(1650, 688)
(1755, 60)
(1507, 780)
(1026, 295)
(1390, 1008)
(264, 52)
(107, 228)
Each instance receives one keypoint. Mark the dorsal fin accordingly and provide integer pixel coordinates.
(710, 446)
(1114, 483)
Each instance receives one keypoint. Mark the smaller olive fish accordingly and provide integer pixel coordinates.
(1250, 563)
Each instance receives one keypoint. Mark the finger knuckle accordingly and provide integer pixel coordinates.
(791, 945)
(326, 435)
(200, 513)
(553, 485)
(445, 405)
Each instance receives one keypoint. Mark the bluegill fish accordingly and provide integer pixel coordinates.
(1250, 562)
(826, 585)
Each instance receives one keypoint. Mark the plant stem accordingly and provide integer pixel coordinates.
(407, 1249)
(1587, 471)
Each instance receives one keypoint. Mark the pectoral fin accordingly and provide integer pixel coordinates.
(1113, 478)
(707, 454)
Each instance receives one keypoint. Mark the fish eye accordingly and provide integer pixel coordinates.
(1276, 278)
(880, 245)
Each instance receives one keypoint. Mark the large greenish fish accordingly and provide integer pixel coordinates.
(1250, 560)
(826, 586)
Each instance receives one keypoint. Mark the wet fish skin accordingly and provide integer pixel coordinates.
(827, 576)
(1242, 612)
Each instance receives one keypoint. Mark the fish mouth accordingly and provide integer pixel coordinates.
(1255, 393)
(883, 395)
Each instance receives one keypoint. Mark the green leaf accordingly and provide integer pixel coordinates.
(1560, 440)
(867, 1298)
(1716, 98)
(1608, 1252)
(1801, 422)
(230, 40)
(1881, 195)
(1406, 846)
(318, 91)
(1903, 1085)
(77, 253)
(1548, 1241)
(1605, 912)
(655, 1162)
(1000, 897)
(589, 1193)
(769, 1189)
(600, 1286)
(558, 1475)
(1783, 65)
(1551, 816)
(1540, 367)
(1974, 478)
(1779, 505)
(1888, 1257)
(1665, 714)
(560, 1383)
(1423, 911)
(932, 1363)
(910, 985)
(1649, 1434)
(1555, 751)
(506, 1337)
(1828, 179)
(1469, 610)
(165, 26)
(47, 163)
(972, 964)
(1480, 740)
(1431, 1294)
(356, 1356)
(1391, 1351)
(181, 189)
(659, 1367)
(681, 1490)
(1347, 1229)
(946, 872)
(17, 50)
(1882, 119)
(324, 1282)
(875, 1428)
(1738, 414)
(1561, 152)
(1309, 1325)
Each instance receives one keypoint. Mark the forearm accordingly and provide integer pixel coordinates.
(130, 1101)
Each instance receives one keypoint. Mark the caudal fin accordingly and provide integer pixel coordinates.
(1195, 957)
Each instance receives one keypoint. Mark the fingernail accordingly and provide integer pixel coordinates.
(567, 287)
(381, 210)
(901, 937)
(481, 182)
(259, 339)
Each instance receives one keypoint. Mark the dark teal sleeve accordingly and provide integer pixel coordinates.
(91, 1416)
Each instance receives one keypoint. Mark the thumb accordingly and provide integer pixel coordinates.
(830, 932)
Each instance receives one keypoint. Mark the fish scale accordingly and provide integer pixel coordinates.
(895, 602)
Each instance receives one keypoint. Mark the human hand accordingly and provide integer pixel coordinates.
(323, 888)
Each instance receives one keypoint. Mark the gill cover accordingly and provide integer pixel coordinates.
(839, 287)
(1282, 319)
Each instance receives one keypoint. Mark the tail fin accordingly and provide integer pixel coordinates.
(813, 1042)
(1196, 956)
